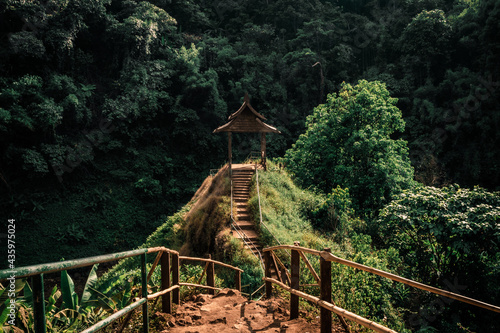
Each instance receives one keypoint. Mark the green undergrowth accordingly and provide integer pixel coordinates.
(287, 213)
(168, 235)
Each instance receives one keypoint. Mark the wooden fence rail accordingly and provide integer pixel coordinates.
(169, 261)
(324, 281)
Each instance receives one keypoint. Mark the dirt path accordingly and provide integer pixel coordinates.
(229, 311)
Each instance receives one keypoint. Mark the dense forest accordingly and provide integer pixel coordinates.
(107, 107)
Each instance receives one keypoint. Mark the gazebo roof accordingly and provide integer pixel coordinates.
(246, 120)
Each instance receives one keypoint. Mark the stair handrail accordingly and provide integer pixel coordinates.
(252, 155)
(258, 196)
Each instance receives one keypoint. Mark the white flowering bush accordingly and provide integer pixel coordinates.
(447, 235)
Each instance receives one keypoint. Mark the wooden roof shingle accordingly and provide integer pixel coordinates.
(246, 120)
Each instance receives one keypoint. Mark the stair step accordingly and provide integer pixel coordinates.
(255, 245)
(250, 235)
(245, 224)
(246, 227)
(255, 251)
(244, 217)
(244, 188)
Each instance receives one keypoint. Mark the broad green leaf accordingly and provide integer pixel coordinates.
(28, 294)
(89, 285)
(4, 312)
(68, 292)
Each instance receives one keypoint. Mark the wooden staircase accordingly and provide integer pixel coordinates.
(242, 176)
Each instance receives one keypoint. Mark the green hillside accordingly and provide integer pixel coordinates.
(291, 213)
(422, 235)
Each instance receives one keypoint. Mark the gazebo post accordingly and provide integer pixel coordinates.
(263, 150)
(230, 153)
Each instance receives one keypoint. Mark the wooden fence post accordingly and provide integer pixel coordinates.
(326, 293)
(263, 150)
(267, 273)
(295, 282)
(237, 280)
(166, 303)
(175, 278)
(210, 276)
(144, 287)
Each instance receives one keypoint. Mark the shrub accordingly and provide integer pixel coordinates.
(148, 187)
(333, 213)
(449, 236)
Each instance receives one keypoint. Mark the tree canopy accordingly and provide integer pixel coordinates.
(348, 143)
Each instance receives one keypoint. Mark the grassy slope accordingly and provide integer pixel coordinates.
(285, 208)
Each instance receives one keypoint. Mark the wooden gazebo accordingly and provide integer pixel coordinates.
(247, 120)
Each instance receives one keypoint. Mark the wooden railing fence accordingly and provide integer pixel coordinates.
(324, 280)
(169, 261)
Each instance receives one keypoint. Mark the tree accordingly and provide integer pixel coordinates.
(426, 41)
(348, 143)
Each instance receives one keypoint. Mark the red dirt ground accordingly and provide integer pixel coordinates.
(229, 311)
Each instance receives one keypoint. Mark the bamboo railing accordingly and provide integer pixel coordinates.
(325, 282)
